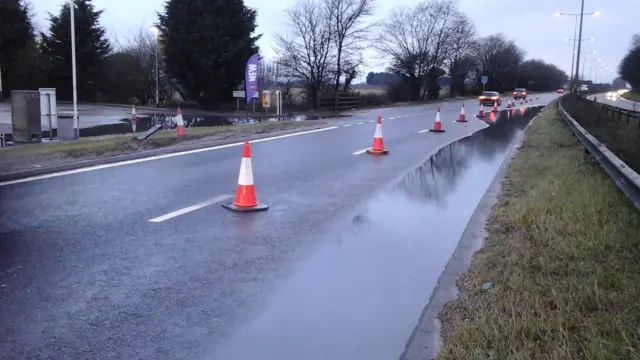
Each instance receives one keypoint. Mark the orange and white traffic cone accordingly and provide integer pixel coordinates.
(495, 107)
(180, 123)
(378, 146)
(480, 112)
(509, 104)
(245, 200)
(437, 125)
(462, 117)
(134, 119)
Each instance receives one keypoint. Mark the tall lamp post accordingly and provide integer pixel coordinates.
(578, 40)
(156, 32)
(76, 125)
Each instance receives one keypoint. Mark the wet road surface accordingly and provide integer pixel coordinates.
(617, 101)
(85, 274)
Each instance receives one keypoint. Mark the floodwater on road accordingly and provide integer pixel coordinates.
(360, 294)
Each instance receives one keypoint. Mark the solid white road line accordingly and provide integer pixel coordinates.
(157, 157)
(189, 209)
(360, 151)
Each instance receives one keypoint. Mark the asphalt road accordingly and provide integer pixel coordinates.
(617, 101)
(84, 273)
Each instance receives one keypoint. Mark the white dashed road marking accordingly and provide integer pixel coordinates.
(361, 151)
(191, 208)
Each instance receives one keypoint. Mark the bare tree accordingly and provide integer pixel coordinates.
(635, 42)
(135, 59)
(498, 58)
(350, 34)
(458, 59)
(420, 39)
(268, 74)
(306, 50)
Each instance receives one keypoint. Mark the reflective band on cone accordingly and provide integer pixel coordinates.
(495, 107)
(179, 123)
(245, 200)
(437, 125)
(378, 146)
(462, 114)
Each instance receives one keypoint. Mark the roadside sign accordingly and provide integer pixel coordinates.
(484, 80)
(240, 94)
(266, 99)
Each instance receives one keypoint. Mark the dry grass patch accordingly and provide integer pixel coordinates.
(563, 254)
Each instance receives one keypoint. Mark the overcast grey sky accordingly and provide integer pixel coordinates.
(530, 23)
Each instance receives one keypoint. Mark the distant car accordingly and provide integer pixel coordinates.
(489, 98)
(560, 91)
(612, 94)
(520, 93)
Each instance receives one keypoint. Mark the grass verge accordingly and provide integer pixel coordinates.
(50, 154)
(563, 254)
(632, 95)
(619, 135)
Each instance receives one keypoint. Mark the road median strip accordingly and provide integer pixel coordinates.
(558, 276)
(39, 159)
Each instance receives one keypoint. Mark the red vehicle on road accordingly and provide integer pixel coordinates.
(560, 91)
(490, 98)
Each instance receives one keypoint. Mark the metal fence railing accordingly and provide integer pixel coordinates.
(627, 180)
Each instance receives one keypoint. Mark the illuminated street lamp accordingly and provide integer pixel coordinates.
(579, 15)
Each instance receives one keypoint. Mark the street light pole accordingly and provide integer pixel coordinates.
(573, 54)
(156, 32)
(157, 76)
(579, 40)
(76, 128)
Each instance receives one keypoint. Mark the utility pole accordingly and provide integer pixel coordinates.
(579, 42)
(573, 55)
(76, 128)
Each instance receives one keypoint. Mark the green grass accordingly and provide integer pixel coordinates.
(563, 253)
(620, 135)
(632, 95)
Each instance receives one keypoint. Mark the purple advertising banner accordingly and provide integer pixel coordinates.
(251, 78)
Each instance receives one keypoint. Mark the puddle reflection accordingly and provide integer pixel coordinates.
(360, 297)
